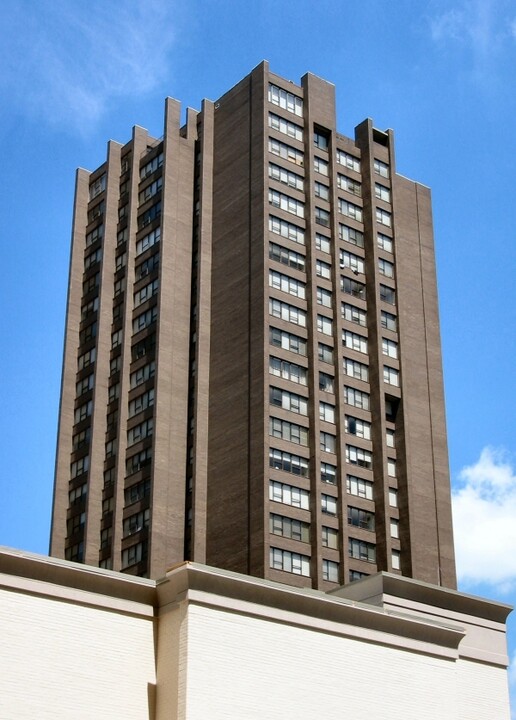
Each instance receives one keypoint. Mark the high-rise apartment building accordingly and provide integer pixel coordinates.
(252, 370)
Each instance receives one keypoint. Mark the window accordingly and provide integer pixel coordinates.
(96, 211)
(389, 438)
(321, 191)
(287, 370)
(140, 432)
(353, 287)
(286, 203)
(79, 467)
(145, 319)
(142, 374)
(391, 376)
(321, 139)
(285, 126)
(287, 152)
(396, 560)
(381, 168)
(75, 552)
(135, 523)
(92, 258)
(120, 261)
(352, 261)
(90, 284)
(360, 518)
(84, 385)
(356, 369)
(361, 550)
(86, 359)
(83, 411)
(288, 431)
(382, 192)
(330, 571)
(89, 308)
(146, 267)
(330, 537)
(113, 392)
(151, 166)
(387, 294)
(326, 382)
(286, 284)
(385, 268)
(280, 460)
(96, 234)
(327, 442)
(385, 242)
(286, 230)
(75, 495)
(349, 161)
(388, 321)
(116, 337)
(285, 176)
(289, 562)
(353, 341)
(81, 439)
(150, 191)
(89, 333)
(137, 492)
(393, 497)
(289, 528)
(383, 217)
(323, 269)
(288, 495)
(359, 456)
(322, 217)
(328, 504)
(328, 473)
(350, 235)
(148, 241)
(360, 428)
(134, 554)
(286, 257)
(288, 401)
(391, 467)
(346, 183)
(149, 215)
(75, 524)
(350, 210)
(286, 100)
(139, 461)
(355, 575)
(358, 487)
(322, 243)
(325, 353)
(287, 341)
(142, 402)
(321, 166)
(389, 348)
(395, 528)
(354, 314)
(287, 312)
(324, 325)
(323, 297)
(145, 293)
(326, 412)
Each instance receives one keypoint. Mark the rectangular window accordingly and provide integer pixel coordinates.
(382, 192)
(359, 456)
(287, 312)
(286, 284)
(151, 166)
(361, 550)
(356, 398)
(391, 467)
(148, 192)
(361, 518)
(383, 217)
(323, 297)
(328, 473)
(286, 203)
(326, 383)
(137, 492)
(390, 439)
(321, 139)
(86, 359)
(322, 243)
(148, 241)
(346, 183)
(324, 325)
(391, 376)
(393, 497)
(96, 211)
(286, 257)
(388, 321)
(349, 161)
(83, 411)
(385, 268)
(327, 442)
(142, 374)
(75, 495)
(360, 428)
(353, 287)
(142, 402)
(321, 166)
(356, 369)
(96, 234)
(394, 528)
(145, 293)
(289, 495)
(358, 487)
(280, 460)
(79, 467)
(353, 314)
(97, 186)
(287, 341)
(350, 210)
(351, 261)
(288, 431)
(287, 152)
(135, 523)
(350, 235)
(325, 353)
(330, 571)
(145, 319)
(93, 258)
(396, 560)
(321, 191)
(138, 461)
(288, 401)
(146, 267)
(289, 562)
(285, 126)
(134, 554)
(389, 348)
(287, 370)
(385, 242)
(149, 215)
(387, 294)
(323, 269)
(381, 168)
(330, 537)
(353, 341)
(84, 385)
(286, 230)
(326, 412)
(322, 217)
(140, 432)
(286, 177)
(286, 100)
(289, 528)
(328, 504)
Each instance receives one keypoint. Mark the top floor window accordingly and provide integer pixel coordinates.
(286, 100)
(349, 161)
(381, 168)
(321, 139)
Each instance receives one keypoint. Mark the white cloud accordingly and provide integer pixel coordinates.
(65, 61)
(484, 517)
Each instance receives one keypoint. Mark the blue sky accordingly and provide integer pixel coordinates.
(440, 72)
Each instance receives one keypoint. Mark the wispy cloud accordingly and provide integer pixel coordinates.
(484, 515)
(66, 61)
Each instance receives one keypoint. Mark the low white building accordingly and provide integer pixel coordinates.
(202, 643)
